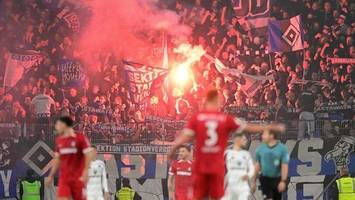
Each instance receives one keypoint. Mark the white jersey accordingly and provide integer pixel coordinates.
(97, 183)
(239, 164)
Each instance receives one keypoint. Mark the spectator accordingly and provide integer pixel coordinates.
(43, 107)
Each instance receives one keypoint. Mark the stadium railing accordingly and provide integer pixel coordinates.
(149, 132)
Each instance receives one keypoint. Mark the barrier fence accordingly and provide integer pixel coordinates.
(155, 132)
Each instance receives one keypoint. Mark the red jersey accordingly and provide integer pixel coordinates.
(182, 172)
(71, 152)
(211, 130)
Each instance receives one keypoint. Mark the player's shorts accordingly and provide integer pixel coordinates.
(269, 187)
(184, 195)
(71, 188)
(205, 185)
(236, 193)
(94, 197)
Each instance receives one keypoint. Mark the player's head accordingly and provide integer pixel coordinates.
(184, 152)
(212, 99)
(268, 136)
(63, 123)
(240, 140)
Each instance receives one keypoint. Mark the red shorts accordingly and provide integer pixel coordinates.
(184, 195)
(208, 185)
(71, 188)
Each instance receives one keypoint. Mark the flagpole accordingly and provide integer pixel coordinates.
(303, 74)
(271, 65)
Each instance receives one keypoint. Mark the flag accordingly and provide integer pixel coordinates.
(19, 64)
(255, 13)
(71, 18)
(72, 73)
(286, 35)
(250, 84)
(139, 79)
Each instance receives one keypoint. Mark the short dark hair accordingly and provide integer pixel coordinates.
(125, 182)
(30, 173)
(187, 147)
(66, 120)
(212, 95)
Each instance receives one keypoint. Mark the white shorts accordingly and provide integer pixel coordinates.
(94, 197)
(236, 194)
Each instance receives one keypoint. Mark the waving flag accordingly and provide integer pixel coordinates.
(139, 79)
(249, 84)
(286, 35)
(18, 64)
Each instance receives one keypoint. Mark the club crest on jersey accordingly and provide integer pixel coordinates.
(72, 144)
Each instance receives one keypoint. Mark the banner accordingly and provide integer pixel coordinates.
(72, 73)
(18, 64)
(139, 79)
(132, 149)
(238, 53)
(256, 13)
(341, 60)
(286, 35)
(313, 164)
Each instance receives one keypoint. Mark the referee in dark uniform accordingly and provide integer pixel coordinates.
(272, 163)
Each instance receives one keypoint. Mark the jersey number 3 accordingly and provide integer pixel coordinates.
(211, 133)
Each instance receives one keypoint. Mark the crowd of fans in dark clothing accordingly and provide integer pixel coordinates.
(329, 33)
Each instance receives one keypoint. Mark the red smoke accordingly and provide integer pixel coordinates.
(130, 29)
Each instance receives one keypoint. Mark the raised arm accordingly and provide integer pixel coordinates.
(257, 128)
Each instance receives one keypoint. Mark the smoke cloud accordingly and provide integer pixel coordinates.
(131, 29)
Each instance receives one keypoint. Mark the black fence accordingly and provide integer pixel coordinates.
(158, 132)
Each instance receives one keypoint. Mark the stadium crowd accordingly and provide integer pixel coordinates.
(329, 33)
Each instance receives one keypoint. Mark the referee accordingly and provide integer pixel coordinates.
(272, 163)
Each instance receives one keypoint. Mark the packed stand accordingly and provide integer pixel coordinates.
(305, 82)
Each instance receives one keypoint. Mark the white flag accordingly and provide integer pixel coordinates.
(17, 65)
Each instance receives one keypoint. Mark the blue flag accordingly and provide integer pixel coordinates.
(286, 35)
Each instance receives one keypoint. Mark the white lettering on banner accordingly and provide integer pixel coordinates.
(311, 186)
(290, 144)
(5, 178)
(311, 158)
